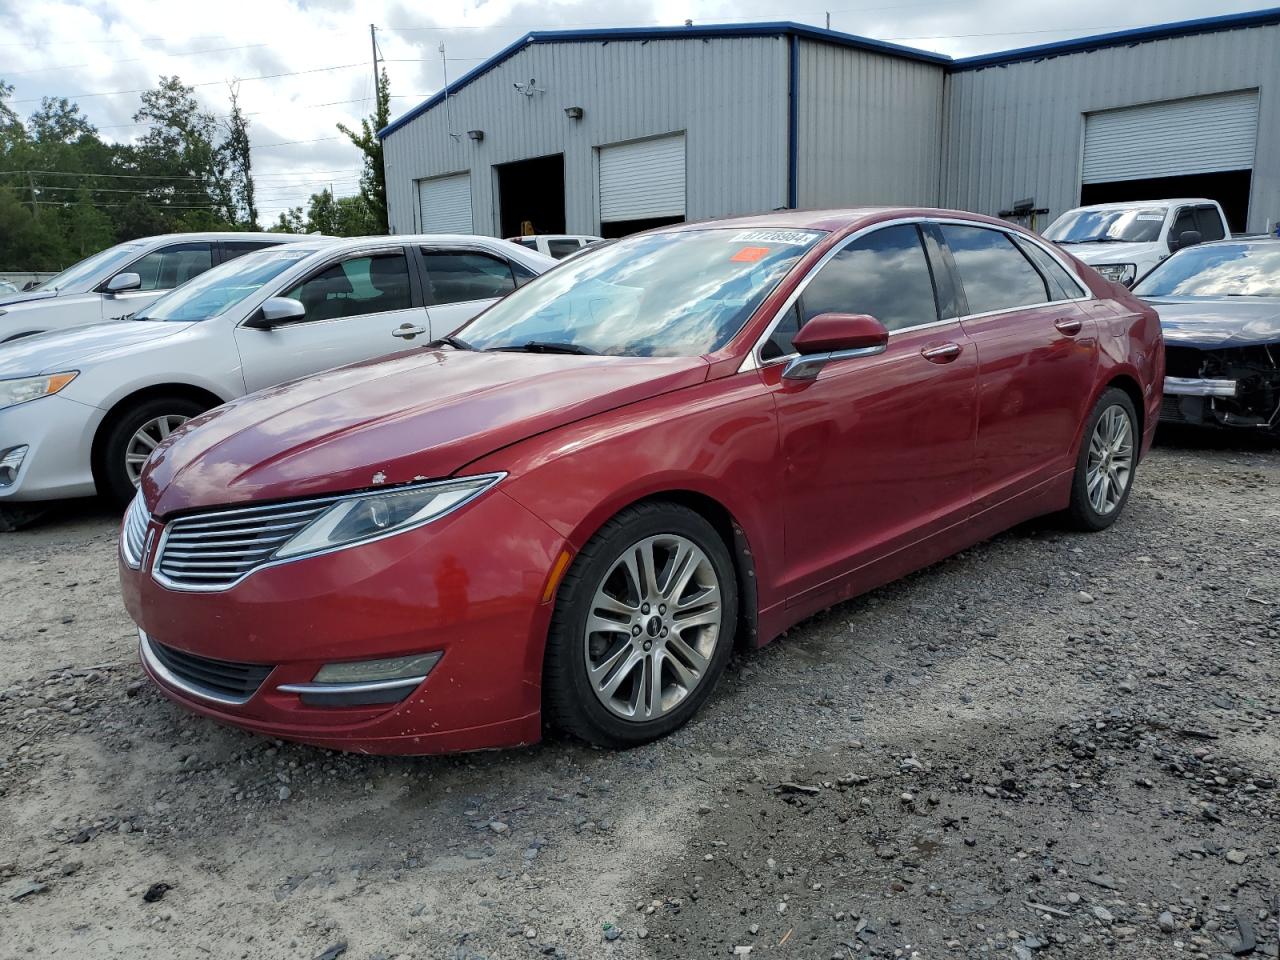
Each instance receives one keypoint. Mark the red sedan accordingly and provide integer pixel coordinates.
(571, 511)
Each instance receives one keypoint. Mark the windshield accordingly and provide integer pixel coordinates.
(683, 293)
(1112, 225)
(101, 266)
(1219, 270)
(216, 291)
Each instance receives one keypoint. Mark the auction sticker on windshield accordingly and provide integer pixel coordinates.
(797, 237)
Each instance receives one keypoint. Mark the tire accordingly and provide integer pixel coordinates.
(113, 476)
(1113, 426)
(641, 639)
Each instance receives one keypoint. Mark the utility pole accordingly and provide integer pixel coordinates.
(35, 204)
(373, 43)
(828, 20)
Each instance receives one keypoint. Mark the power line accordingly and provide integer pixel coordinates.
(321, 174)
(184, 53)
(203, 83)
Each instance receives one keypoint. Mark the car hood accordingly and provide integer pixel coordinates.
(1092, 253)
(12, 299)
(1220, 323)
(77, 346)
(424, 414)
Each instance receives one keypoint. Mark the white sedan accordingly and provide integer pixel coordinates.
(81, 410)
(123, 279)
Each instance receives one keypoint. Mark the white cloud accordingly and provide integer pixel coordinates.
(65, 48)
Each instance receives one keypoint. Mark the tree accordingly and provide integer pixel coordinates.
(373, 180)
(177, 153)
(60, 121)
(239, 165)
(290, 221)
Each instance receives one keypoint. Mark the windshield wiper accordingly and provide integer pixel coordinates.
(456, 342)
(548, 346)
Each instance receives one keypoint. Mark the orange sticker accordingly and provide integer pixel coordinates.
(750, 255)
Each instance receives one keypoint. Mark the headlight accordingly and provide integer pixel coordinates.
(373, 515)
(32, 388)
(1118, 272)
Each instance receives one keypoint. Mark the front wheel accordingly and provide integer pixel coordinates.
(1106, 463)
(133, 436)
(643, 627)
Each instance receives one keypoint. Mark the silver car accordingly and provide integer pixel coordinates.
(80, 411)
(123, 279)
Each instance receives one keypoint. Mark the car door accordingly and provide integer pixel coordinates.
(459, 282)
(1037, 351)
(359, 305)
(876, 451)
(160, 271)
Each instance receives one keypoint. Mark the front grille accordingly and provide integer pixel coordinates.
(1171, 410)
(212, 551)
(220, 679)
(133, 534)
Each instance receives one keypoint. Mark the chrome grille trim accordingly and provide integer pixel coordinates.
(133, 531)
(217, 549)
(219, 681)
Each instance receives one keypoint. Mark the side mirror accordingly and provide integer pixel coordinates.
(1187, 238)
(277, 312)
(122, 282)
(834, 336)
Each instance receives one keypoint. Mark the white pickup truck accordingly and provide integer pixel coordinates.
(1122, 241)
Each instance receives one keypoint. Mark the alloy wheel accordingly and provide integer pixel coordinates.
(1110, 465)
(145, 439)
(653, 627)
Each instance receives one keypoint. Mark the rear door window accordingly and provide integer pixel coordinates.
(562, 248)
(994, 273)
(459, 276)
(235, 248)
(1061, 286)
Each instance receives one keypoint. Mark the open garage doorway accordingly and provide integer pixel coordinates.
(1230, 189)
(531, 196)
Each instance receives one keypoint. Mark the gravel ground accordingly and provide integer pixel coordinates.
(1053, 745)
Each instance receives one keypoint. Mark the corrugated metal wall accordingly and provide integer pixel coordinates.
(729, 95)
(869, 128)
(1017, 131)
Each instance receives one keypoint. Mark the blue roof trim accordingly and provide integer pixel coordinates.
(1162, 31)
(710, 31)
(1231, 21)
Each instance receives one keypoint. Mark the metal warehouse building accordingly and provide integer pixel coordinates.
(610, 131)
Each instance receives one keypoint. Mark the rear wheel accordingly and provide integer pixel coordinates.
(1106, 463)
(643, 627)
(133, 436)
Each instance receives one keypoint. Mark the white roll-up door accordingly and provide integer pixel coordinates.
(1171, 139)
(445, 204)
(642, 179)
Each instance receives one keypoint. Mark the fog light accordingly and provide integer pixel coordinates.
(10, 463)
(365, 682)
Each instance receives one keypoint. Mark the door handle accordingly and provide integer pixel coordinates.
(1068, 325)
(943, 353)
(408, 331)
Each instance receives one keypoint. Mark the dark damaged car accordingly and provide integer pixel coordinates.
(1219, 305)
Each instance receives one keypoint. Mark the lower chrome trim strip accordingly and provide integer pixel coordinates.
(164, 673)
(336, 689)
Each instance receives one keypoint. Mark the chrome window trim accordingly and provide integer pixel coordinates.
(173, 680)
(753, 361)
(493, 480)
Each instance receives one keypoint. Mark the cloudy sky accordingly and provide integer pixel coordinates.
(304, 66)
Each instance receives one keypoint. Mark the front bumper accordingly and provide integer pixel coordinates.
(1235, 387)
(469, 585)
(58, 434)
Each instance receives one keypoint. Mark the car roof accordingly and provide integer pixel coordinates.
(1126, 204)
(834, 220)
(231, 235)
